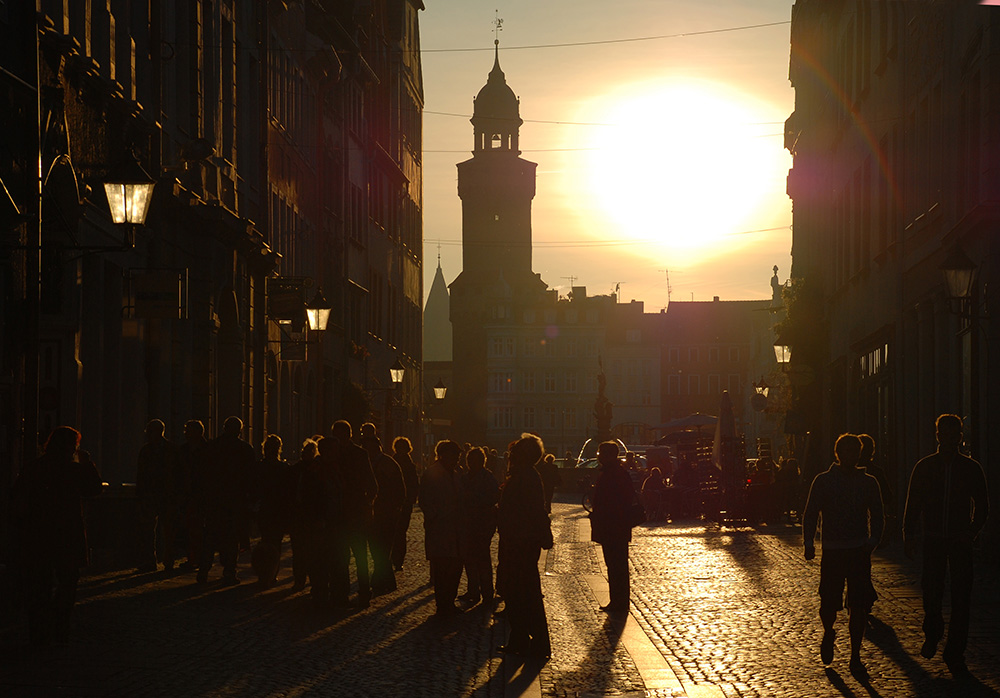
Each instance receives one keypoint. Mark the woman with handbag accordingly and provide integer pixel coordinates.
(616, 510)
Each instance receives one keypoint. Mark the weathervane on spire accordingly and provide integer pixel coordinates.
(497, 27)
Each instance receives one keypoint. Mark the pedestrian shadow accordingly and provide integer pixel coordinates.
(597, 669)
(522, 672)
(837, 681)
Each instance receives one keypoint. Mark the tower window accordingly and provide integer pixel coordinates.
(496, 141)
(496, 216)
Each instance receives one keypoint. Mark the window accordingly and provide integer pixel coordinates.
(550, 382)
(713, 354)
(590, 348)
(571, 347)
(529, 316)
(571, 383)
(673, 385)
(693, 355)
(734, 384)
(694, 385)
(529, 417)
(528, 381)
(550, 317)
(503, 417)
(501, 346)
(734, 354)
(713, 384)
(569, 419)
(501, 382)
(674, 355)
(571, 317)
(549, 418)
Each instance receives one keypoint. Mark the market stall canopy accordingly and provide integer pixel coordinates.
(696, 420)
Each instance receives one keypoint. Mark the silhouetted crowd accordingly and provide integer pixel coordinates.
(346, 498)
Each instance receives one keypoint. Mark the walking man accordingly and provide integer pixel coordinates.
(610, 525)
(850, 502)
(948, 500)
(156, 487)
(441, 502)
(359, 490)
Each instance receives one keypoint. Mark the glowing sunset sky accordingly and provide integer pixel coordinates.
(653, 153)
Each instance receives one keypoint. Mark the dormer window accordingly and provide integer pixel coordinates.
(496, 142)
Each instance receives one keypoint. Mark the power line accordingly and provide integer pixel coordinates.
(570, 123)
(612, 41)
(553, 244)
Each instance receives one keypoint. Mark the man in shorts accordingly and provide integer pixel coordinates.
(850, 503)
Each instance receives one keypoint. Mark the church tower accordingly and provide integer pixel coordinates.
(496, 187)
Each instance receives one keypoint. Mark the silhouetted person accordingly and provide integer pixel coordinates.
(157, 484)
(480, 494)
(300, 522)
(49, 530)
(687, 490)
(194, 462)
(611, 525)
(359, 489)
(948, 503)
(870, 465)
(325, 526)
(386, 512)
(231, 465)
(550, 479)
(654, 494)
(272, 508)
(524, 531)
(441, 503)
(402, 448)
(786, 484)
(849, 501)
(498, 465)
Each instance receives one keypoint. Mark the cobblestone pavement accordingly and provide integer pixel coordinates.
(739, 609)
(732, 612)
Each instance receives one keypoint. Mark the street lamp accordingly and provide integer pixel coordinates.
(782, 351)
(318, 311)
(959, 272)
(440, 390)
(129, 190)
(396, 373)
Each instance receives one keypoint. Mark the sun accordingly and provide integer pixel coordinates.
(686, 165)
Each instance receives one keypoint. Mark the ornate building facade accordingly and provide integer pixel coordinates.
(894, 140)
(284, 140)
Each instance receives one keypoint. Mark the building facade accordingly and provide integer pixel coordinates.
(894, 139)
(284, 141)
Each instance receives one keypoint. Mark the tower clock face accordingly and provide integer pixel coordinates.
(687, 166)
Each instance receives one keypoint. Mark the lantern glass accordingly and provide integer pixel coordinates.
(440, 390)
(782, 353)
(318, 318)
(318, 312)
(396, 372)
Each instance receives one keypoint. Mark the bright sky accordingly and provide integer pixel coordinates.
(653, 155)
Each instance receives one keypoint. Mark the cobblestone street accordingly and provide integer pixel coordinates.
(715, 613)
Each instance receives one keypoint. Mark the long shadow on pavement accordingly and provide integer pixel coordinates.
(597, 669)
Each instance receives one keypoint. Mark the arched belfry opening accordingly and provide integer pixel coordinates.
(495, 114)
